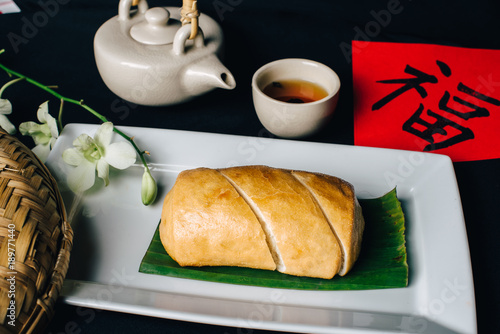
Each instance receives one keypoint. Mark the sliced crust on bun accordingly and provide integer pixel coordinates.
(302, 236)
(205, 222)
(299, 223)
(341, 208)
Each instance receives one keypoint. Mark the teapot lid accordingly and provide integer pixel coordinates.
(157, 29)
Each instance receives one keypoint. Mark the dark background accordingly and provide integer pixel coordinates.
(55, 46)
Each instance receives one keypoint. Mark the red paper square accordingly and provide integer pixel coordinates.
(425, 97)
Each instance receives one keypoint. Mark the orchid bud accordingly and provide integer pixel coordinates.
(149, 188)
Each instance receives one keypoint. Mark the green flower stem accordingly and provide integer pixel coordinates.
(4, 87)
(131, 140)
(65, 99)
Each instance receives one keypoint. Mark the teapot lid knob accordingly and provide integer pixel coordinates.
(157, 29)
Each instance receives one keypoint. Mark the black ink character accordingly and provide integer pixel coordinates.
(415, 123)
(412, 83)
(408, 84)
(438, 127)
(475, 110)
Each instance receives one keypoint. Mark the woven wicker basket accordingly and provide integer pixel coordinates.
(35, 240)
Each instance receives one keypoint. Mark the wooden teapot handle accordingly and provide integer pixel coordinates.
(189, 15)
(125, 5)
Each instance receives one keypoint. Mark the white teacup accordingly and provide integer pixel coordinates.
(294, 120)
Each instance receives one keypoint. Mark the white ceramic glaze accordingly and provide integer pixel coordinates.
(292, 120)
(144, 56)
(113, 231)
(157, 28)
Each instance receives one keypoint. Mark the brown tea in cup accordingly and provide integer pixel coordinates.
(295, 91)
(288, 119)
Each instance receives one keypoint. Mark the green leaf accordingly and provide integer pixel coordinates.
(381, 265)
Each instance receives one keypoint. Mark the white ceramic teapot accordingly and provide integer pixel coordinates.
(145, 55)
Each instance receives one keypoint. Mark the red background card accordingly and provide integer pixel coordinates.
(426, 97)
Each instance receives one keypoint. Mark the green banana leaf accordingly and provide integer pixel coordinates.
(381, 264)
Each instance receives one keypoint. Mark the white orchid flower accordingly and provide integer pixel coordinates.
(98, 153)
(6, 109)
(44, 134)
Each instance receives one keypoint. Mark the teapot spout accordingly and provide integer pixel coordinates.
(206, 74)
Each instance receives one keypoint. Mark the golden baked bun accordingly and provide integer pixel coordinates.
(299, 223)
(205, 222)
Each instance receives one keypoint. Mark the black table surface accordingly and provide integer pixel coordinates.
(52, 42)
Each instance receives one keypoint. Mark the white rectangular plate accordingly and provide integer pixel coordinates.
(113, 230)
(8, 6)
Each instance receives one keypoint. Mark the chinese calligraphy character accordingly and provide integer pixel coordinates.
(409, 83)
(438, 127)
(443, 122)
